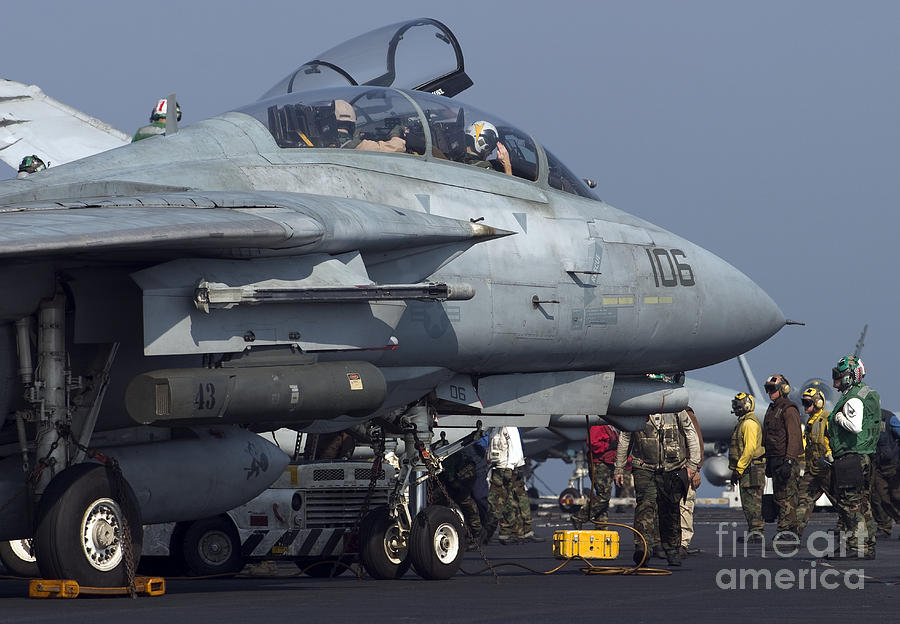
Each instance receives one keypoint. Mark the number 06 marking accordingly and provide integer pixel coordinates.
(668, 270)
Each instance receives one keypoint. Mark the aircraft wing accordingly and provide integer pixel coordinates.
(31, 122)
(154, 225)
(215, 261)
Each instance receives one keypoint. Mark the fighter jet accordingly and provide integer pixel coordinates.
(353, 247)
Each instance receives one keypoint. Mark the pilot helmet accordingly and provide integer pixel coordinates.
(742, 403)
(343, 111)
(813, 397)
(31, 164)
(849, 370)
(482, 137)
(159, 111)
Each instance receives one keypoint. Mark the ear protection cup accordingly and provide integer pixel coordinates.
(785, 387)
(782, 383)
(815, 395)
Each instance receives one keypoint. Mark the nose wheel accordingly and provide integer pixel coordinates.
(436, 546)
(383, 546)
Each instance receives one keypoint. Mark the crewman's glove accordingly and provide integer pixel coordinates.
(784, 470)
(735, 477)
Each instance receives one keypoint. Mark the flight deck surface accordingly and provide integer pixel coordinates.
(861, 590)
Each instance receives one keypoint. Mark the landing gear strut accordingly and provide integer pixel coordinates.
(407, 532)
(88, 524)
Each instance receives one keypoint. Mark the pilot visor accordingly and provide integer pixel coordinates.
(771, 387)
(807, 402)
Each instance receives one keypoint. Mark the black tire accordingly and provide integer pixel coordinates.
(382, 552)
(325, 567)
(81, 525)
(211, 546)
(18, 558)
(769, 508)
(567, 500)
(436, 543)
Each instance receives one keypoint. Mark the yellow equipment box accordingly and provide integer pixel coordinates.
(587, 544)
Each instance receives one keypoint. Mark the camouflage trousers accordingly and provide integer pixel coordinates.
(811, 487)
(509, 505)
(752, 486)
(855, 512)
(787, 497)
(886, 498)
(602, 480)
(658, 496)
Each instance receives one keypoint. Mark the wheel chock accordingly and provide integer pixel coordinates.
(49, 588)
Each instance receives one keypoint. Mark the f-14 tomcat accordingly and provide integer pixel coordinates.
(277, 266)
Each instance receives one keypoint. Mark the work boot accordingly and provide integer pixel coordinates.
(533, 538)
(508, 541)
(659, 552)
(577, 523)
(674, 559)
(638, 555)
(754, 537)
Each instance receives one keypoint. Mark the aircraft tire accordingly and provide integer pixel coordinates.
(567, 500)
(211, 546)
(81, 522)
(18, 558)
(382, 552)
(436, 543)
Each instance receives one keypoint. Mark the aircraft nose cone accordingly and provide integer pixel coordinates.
(737, 314)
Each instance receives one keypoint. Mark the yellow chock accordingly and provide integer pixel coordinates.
(51, 588)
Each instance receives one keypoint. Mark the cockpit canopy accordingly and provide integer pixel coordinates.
(408, 122)
(387, 91)
(420, 54)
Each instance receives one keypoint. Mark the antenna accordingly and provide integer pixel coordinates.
(171, 115)
(861, 342)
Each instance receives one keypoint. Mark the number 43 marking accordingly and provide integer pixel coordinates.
(205, 397)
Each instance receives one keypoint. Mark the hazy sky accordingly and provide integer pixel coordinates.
(764, 131)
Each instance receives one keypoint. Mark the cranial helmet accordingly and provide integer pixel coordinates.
(742, 403)
(343, 111)
(778, 382)
(31, 164)
(814, 397)
(161, 108)
(849, 370)
(482, 137)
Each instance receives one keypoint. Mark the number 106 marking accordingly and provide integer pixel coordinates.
(668, 270)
